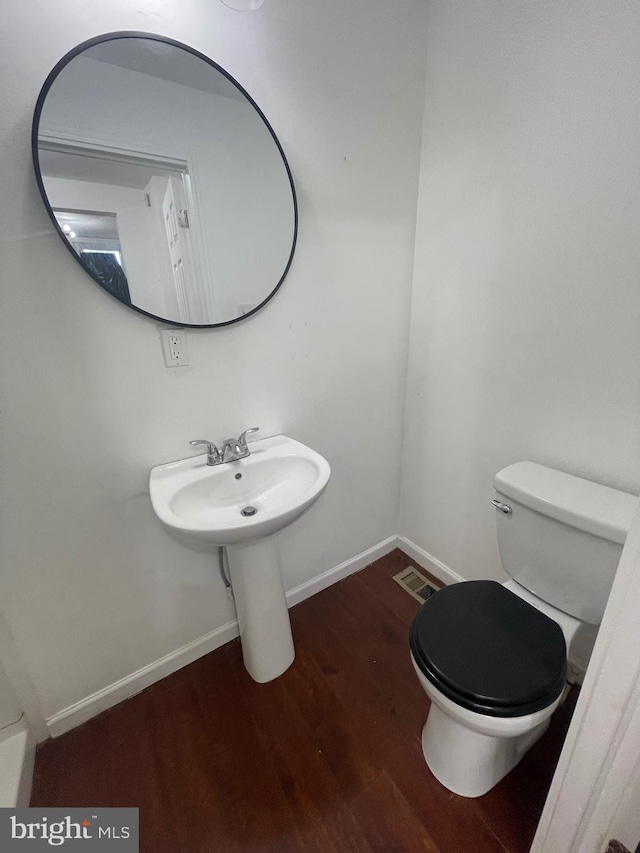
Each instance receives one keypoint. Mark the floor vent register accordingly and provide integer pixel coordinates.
(415, 584)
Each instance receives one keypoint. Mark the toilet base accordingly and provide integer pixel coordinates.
(468, 762)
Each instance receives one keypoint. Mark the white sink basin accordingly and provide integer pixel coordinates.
(279, 480)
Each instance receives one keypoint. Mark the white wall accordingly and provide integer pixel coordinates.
(525, 312)
(92, 586)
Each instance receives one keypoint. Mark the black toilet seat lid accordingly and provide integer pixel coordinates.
(488, 650)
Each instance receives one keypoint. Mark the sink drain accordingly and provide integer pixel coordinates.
(248, 510)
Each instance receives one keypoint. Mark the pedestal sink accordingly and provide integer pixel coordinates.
(240, 505)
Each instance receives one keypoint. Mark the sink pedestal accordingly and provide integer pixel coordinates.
(263, 616)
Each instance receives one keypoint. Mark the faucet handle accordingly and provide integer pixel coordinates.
(210, 445)
(242, 440)
(213, 454)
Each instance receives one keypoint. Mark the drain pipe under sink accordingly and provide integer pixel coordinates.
(223, 562)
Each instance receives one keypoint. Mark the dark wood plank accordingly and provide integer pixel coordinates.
(75, 769)
(378, 578)
(326, 759)
(138, 780)
(250, 793)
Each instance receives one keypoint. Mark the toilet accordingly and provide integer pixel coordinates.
(492, 657)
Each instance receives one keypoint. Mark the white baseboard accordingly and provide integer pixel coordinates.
(426, 561)
(349, 567)
(126, 687)
(17, 758)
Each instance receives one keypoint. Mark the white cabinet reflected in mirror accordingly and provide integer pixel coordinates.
(164, 179)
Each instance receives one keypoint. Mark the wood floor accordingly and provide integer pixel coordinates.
(327, 758)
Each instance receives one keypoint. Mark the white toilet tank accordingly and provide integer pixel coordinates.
(563, 536)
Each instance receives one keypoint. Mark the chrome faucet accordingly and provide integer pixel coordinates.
(231, 450)
(236, 448)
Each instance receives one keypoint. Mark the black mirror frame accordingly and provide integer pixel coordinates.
(51, 77)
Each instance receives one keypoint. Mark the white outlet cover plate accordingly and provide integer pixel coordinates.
(174, 347)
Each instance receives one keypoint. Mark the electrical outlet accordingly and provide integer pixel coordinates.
(174, 346)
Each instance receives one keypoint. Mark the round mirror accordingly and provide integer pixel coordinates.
(164, 179)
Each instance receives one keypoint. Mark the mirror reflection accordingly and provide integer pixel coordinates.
(165, 180)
